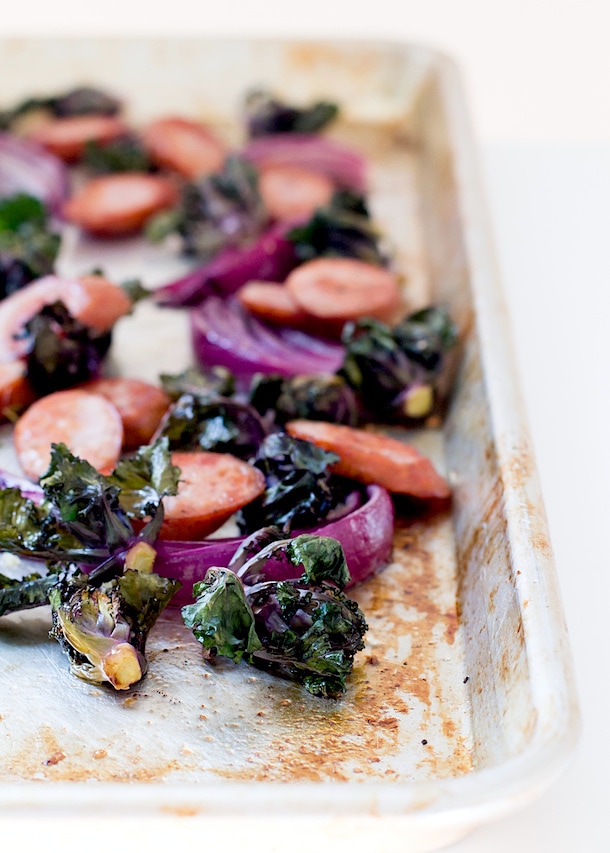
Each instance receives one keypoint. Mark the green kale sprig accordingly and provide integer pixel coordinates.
(299, 492)
(124, 154)
(341, 229)
(86, 517)
(28, 247)
(215, 212)
(318, 397)
(61, 351)
(27, 592)
(303, 629)
(213, 423)
(396, 371)
(101, 618)
(84, 100)
(266, 114)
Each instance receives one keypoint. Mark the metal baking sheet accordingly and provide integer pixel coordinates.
(462, 705)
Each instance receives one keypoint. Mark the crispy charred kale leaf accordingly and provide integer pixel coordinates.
(320, 397)
(28, 249)
(84, 100)
(144, 479)
(27, 592)
(30, 529)
(213, 423)
(342, 229)
(216, 212)
(222, 619)
(206, 416)
(125, 154)
(85, 516)
(103, 629)
(298, 493)
(217, 381)
(305, 629)
(62, 351)
(395, 371)
(265, 114)
(102, 619)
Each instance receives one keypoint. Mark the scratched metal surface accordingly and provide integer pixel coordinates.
(461, 705)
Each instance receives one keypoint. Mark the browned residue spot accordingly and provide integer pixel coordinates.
(43, 751)
(55, 758)
(449, 728)
(181, 811)
(385, 722)
(520, 467)
(491, 601)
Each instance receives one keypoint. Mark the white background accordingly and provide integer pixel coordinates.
(537, 75)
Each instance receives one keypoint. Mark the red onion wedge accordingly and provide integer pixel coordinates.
(270, 258)
(366, 535)
(27, 488)
(226, 334)
(344, 166)
(25, 167)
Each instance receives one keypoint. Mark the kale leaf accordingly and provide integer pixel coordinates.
(218, 381)
(395, 371)
(85, 516)
(84, 100)
(86, 501)
(62, 351)
(28, 249)
(342, 229)
(320, 397)
(31, 529)
(213, 423)
(144, 479)
(216, 212)
(221, 619)
(305, 629)
(265, 114)
(124, 154)
(298, 489)
(27, 592)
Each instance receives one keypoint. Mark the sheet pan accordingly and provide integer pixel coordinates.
(462, 705)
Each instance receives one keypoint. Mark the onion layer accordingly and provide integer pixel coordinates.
(224, 333)
(270, 258)
(344, 166)
(366, 535)
(25, 167)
